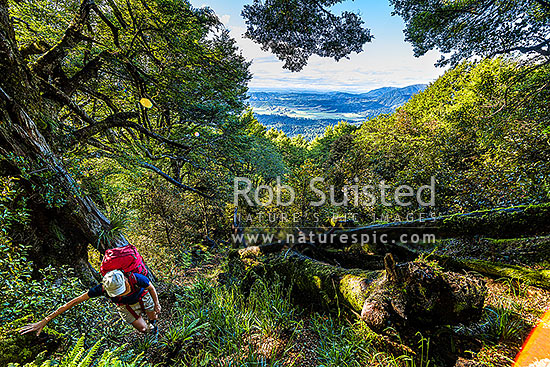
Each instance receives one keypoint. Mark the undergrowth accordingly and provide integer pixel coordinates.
(27, 298)
(80, 356)
(237, 322)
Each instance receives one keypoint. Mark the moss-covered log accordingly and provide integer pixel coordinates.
(538, 278)
(354, 257)
(473, 259)
(409, 294)
(254, 251)
(512, 222)
(525, 220)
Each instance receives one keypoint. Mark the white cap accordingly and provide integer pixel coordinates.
(114, 283)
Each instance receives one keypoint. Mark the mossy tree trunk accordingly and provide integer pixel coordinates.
(537, 278)
(63, 221)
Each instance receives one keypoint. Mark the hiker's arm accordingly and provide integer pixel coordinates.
(153, 291)
(40, 325)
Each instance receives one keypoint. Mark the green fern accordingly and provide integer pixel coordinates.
(79, 356)
(87, 360)
(182, 333)
(77, 351)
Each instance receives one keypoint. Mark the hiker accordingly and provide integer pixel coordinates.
(132, 292)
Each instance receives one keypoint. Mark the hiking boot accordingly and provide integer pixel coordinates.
(152, 327)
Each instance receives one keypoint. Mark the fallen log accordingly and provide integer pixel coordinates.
(354, 257)
(537, 278)
(528, 276)
(410, 294)
(308, 249)
(526, 220)
(255, 251)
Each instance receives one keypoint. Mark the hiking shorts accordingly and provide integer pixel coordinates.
(148, 305)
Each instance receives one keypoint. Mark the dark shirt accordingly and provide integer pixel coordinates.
(141, 283)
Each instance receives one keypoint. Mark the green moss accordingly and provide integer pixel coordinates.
(540, 278)
(317, 281)
(501, 223)
(16, 348)
(351, 288)
(334, 284)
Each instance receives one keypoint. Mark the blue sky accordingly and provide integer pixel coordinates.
(387, 61)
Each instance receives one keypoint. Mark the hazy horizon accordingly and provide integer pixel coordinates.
(310, 90)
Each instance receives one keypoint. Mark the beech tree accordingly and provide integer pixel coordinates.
(476, 28)
(294, 30)
(128, 80)
(460, 29)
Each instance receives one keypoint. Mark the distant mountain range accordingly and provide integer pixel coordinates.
(309, 113)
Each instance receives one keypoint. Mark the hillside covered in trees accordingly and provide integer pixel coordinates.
(127, 122)
(308, 113)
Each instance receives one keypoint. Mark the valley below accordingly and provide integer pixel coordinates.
(308, 113)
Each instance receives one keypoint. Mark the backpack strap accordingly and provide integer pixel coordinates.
(141, 305)
(132, 280)
(132, 312)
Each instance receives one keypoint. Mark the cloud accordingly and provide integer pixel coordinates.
(225, 19)
(380, 65)
(387, 61)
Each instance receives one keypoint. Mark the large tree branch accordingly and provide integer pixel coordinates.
(544, 3)
(112, 27)
(73, 35)
(173, 181)
(102, 97)
(70, 39)
(322, 8)
(136, 75)
(98, 144)
(95, 127)
(160, 138)
(121, 119)
(172, 158)
(117, 13)
(34, 48)
(114, 155)
(58, 95)
(86, 73)
(538, 48)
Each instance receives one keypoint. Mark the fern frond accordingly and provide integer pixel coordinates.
(82, 357)
(75, 354)
(138, 361)
(105, 358)
(88, 360)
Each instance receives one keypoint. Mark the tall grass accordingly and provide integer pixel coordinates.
(226, 324)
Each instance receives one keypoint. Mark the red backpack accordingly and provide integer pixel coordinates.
(126, 259)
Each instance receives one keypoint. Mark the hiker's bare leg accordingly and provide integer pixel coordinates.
(140, 325)
(152, 315)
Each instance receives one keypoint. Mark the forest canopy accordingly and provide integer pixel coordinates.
(476, 28)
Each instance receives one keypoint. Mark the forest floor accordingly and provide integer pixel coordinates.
(512, 309)
(292, 348)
